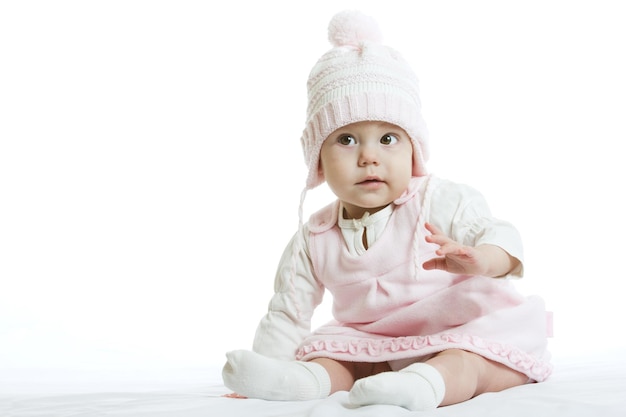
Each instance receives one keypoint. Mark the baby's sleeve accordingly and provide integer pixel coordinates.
(296, 295)
(463, 214)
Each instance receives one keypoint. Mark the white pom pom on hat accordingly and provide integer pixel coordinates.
(360, 79)
(351, 28)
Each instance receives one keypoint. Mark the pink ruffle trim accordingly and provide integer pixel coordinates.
(413, 346)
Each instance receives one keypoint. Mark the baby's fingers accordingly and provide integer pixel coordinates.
(437, 237)
(432, 229)
(435, 263)
(447, 246)
(452, 249)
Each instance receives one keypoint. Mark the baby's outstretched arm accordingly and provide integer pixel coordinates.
(486, 260)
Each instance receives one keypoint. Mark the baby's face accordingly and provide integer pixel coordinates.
(367, 165)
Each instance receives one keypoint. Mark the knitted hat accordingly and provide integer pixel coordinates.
(360, 79)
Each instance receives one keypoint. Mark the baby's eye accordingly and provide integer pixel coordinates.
(388, 139)
(346, 140)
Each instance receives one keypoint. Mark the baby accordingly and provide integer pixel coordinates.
(425, 314)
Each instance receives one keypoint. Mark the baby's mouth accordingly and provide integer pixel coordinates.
(370, 180)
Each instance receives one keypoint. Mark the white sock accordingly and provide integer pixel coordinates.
(256, 376)
(418, 387)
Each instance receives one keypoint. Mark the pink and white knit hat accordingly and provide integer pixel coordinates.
(360, 79)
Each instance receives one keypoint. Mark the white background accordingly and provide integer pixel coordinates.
(150, 165)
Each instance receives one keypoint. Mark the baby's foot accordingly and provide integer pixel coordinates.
(234, 395)
(256, 376)
(418, 387)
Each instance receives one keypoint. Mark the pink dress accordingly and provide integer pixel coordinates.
(387, 308)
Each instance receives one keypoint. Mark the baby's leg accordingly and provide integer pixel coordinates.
(448, 378)
(343, 374)
(467, 375)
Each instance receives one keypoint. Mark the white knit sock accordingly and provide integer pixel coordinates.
(418, 387)
(256, 376)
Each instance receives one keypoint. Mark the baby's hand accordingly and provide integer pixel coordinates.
(454, 257)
